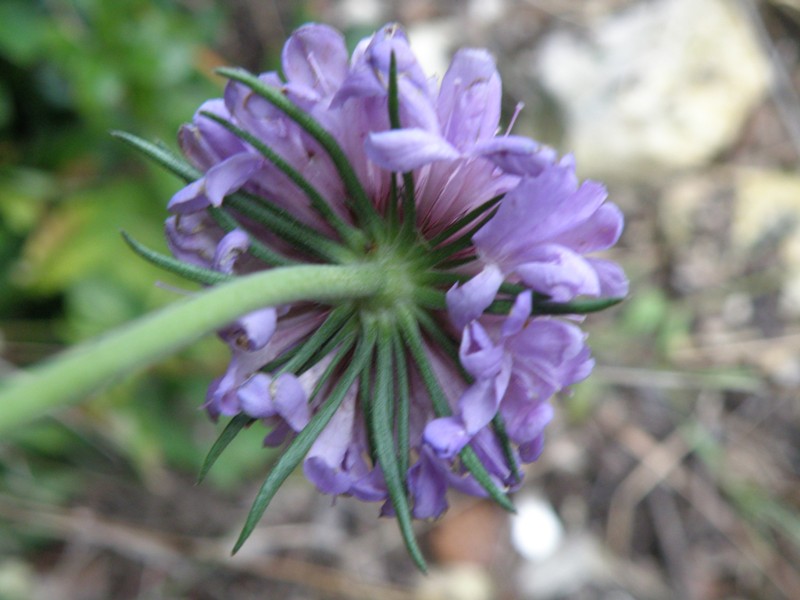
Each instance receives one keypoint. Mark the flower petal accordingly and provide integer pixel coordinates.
(478, 405)
(478, 355)
(468, 301)
(516, 155)
(315, 56)
(599, 231)
(253, 331)
(326, 476)
(447, 436)
(427, 485)
(402, 150)
(205, 142)
(290, 401)
(613, 281)
(189, 199)
(229, 175)
(229, 249)
(560, 273)
(255, 397)
(518, 315)
(469, 99)
(530, 451)
(324, 464)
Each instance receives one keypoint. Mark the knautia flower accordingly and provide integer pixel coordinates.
(443, 378)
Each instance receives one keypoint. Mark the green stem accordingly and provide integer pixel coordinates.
(77, 372)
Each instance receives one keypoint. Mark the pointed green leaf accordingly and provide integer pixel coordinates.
(160, 155)
(232, 429)
(186, 270)
(383, 437)
(545, 307)
(499, 427)
(577, 307)
(402, 409)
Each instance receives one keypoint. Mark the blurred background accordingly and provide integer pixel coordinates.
(672, 473)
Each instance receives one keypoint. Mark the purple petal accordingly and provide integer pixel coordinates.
(538, 210)
(549, 355)
(447, 436)
(229, 175)
(427, 485)
(229, 249)
(211, 405)
(192, 237)
(191, 198)
(280, 432)
(516, 155)
(493, 457)
(323, 465)
(547, 339)
(369, 487)
(478, 354)
(249, 110)
(204, 141)
(392, 39)
(327, 477)
(478, 405)
(518, 315)
(599, 231)
(469, 99)
(560, 273)
(290, 401)
(467, 302)
(526, 419)
(255, 397)
(613, 281)
(315, 56)
(360, 83)
(532, 450)
(403, 150)
(222, 397)
(416, 107)
(253, 331)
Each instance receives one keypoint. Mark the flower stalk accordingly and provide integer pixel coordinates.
(80, 371)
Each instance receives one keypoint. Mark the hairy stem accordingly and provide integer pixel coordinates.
(73, 374)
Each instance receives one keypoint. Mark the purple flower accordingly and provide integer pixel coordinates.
(369, 160)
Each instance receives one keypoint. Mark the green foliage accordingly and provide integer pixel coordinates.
(71, 71)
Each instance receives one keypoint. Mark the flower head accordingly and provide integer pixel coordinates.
(444, 378)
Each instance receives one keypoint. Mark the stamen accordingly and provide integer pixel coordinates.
(517, 110)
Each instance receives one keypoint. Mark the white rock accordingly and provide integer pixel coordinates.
(536, 530)
(663, 86)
